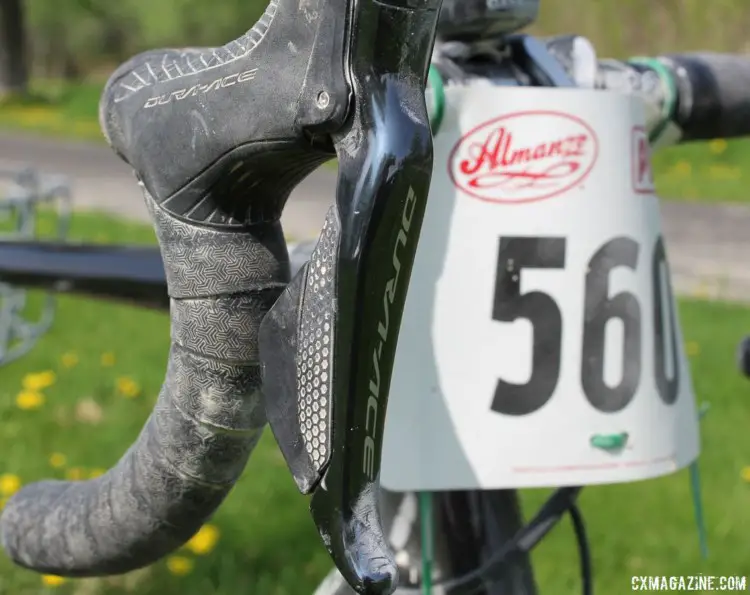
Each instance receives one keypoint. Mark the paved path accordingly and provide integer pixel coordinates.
(709, 245)
(101, 181)
(709, 249)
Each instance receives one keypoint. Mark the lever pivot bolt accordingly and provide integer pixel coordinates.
(323, 100)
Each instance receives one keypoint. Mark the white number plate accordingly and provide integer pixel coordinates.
(540, 345)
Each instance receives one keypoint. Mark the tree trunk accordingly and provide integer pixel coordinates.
(14, 71)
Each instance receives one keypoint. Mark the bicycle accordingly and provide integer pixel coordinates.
(490, 561)
(24, 189)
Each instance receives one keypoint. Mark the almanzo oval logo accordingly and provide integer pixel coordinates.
(524, 157)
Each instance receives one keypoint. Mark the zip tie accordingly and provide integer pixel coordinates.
(616, 442)
(670, 102)
(700, 522)
(435, 80)
(426, 520)
(695, 489)
(703, 409)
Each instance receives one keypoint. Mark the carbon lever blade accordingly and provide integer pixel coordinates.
(329, 342)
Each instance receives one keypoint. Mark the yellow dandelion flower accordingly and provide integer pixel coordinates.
(204, 540)
(179, 565)
(717, 146)
(683, 168)
(94, 473)
(716, 171)
(45, 227)
(29, 400)
(50, 580)
(745, 474)
(69, 360)
(9, 484)
(39, 381)
(128, 387)
(702, 293)
(57, 460)
(724, 172)
(74, 474)
(108, 359)
(692, 348)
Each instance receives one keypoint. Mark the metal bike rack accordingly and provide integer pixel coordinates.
(24, 191)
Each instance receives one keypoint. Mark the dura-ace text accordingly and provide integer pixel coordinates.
(384, 331)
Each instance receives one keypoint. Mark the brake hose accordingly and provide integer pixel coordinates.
(560, 502)
(584, 551)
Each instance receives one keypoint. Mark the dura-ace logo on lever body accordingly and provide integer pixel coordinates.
(219, 83)
(384, 329)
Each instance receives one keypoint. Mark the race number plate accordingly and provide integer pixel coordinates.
(540, 345)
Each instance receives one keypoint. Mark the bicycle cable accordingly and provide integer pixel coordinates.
(561, 501)
(584, 551)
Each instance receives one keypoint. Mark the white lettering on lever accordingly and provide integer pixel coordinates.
(384, 328)
(219, 83)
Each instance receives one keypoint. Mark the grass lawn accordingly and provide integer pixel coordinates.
(697, 172)
(108, 364)
(56, 109)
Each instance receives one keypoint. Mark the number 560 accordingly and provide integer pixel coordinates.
(539, 308)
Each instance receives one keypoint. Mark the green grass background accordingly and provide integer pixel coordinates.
(268, 544)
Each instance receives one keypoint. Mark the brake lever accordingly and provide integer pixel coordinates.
(328, 343)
